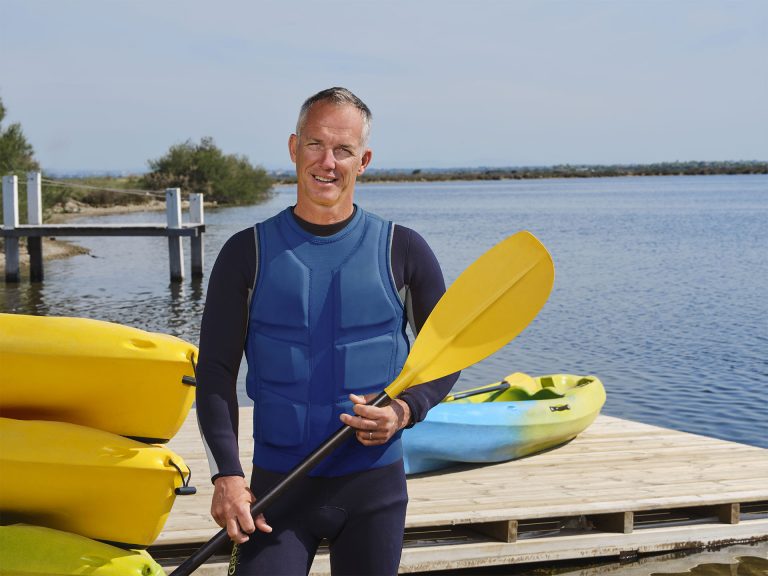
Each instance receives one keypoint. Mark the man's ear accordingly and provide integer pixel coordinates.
(293, 141)
(366, 159)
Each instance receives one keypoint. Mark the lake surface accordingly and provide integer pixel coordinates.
(660, 288)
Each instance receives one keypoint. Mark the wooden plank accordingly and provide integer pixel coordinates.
(113, 230)
(547, 549)
(565, 482)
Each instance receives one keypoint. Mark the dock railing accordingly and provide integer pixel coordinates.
(35, 230)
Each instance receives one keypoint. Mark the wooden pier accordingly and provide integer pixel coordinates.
(35, 230)
(620, 489)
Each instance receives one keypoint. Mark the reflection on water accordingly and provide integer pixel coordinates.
(744, 566)
(738, 560)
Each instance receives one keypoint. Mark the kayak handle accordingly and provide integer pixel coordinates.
(185, 489)
(191, 380)
(560, 408)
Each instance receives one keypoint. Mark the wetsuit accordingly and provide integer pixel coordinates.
(361, 513)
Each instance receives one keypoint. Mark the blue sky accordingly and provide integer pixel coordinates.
(107, 84)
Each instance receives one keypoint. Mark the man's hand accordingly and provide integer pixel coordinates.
(231, 508)
(375, 426)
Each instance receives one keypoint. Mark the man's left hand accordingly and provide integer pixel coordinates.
(375, 426)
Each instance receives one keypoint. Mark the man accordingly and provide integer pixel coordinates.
(318, 296)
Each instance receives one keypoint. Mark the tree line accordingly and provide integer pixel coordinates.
(570, 171)
(192, 166)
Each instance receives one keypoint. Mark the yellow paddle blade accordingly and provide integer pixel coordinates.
(489, 304)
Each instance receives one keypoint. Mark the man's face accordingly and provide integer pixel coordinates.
(329, 155)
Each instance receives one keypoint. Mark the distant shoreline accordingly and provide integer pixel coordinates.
(559, 171)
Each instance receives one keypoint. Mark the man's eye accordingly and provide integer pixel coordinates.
(314, 146)
(343, 153)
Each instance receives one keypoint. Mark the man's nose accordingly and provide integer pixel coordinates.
(328, 160)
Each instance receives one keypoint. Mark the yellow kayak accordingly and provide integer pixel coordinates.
(87, 481)
(34, 550)
(98, 374)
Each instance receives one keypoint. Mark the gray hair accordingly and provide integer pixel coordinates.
(338, 96)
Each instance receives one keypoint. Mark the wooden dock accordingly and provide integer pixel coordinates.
(34, 231)
(621, 489)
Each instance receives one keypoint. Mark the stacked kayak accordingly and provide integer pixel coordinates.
(33, 550)
(84, 409)
(515, 417)
(97, 374)
(86, 481)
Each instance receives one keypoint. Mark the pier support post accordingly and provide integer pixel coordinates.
(620, 522)
(196, 216)
(10, 222)
(175, 249)
(35, 218)
(729, 513)
(503, 531)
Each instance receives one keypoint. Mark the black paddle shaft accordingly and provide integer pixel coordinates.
(209, 548)
(503, 385)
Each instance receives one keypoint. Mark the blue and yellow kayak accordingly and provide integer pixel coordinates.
(87, 481)
(515, 417)
(34, 550)
(98, 374)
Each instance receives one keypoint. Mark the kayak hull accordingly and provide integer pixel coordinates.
(86, 481)
(97, 374)
(487, 428)
(34, 550)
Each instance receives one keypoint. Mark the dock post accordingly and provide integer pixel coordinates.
(175, 249)
(196, 216)
(10, 222)
(35, 218)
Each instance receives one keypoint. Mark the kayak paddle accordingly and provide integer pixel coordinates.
(517, 379)
(489, 304)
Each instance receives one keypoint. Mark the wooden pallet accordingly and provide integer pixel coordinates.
(620, 489)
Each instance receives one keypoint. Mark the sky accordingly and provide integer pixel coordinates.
(107, 85)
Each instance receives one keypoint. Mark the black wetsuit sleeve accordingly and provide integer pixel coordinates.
(418, 276)
(222, 337)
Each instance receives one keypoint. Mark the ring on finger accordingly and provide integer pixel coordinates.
(370, 435)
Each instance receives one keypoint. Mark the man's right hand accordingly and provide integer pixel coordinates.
(231, 508)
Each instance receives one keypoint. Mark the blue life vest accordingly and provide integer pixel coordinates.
(325, 321)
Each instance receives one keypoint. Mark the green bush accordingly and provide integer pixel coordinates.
(223, 178)
(16, 154)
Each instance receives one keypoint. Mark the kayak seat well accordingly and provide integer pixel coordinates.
(521, 395)
(516, 387)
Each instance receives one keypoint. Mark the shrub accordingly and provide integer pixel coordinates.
(223, 178)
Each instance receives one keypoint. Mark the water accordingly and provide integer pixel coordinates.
(660, 287)
(660, 291)
(737, 560)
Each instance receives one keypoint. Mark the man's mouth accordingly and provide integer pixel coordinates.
(324, 180)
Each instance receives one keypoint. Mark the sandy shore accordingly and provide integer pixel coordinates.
(78, 210)
(52, 250)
